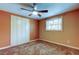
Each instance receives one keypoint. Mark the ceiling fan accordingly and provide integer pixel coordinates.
(34, 10)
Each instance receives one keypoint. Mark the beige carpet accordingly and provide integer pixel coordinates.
(39, 48)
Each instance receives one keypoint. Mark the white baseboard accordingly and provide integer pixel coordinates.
(33, 40)
(5, 47)
(62, 44)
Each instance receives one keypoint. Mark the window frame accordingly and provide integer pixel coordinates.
(50, 19)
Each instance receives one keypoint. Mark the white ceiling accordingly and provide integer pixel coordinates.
(53, 8)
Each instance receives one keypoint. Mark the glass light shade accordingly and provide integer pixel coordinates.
(35, 13)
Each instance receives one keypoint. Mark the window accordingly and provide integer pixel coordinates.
(54, 24)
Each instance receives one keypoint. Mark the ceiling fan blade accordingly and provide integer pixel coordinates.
(39, 15)
(25, 9)
(43, 11)
(29, 14)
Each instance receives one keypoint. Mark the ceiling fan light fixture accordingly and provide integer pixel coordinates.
(34, 12)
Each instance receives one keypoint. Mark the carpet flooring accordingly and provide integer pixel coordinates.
(39, 47)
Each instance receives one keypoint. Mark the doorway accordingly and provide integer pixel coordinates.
(20, 30)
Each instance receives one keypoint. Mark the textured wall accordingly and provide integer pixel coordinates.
(34, 29)
(4, 29)
(70, 33)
